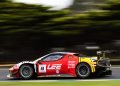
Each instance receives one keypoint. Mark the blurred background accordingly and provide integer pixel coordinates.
(32, 28)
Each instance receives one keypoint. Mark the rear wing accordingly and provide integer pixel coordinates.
(102, 54)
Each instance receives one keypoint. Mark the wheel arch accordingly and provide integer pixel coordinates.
(85, 63)
(89, 70)
(32, 65)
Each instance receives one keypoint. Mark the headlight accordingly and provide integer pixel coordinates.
(15, 66)
(94, 59)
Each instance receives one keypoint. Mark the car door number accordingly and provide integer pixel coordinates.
(42, 68)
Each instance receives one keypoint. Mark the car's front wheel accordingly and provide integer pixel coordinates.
(83, 70)
(26, 71)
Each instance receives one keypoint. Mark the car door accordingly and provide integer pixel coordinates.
(51, 65)
(72, 63)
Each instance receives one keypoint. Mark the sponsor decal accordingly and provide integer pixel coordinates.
(57, 71)
(54, 66)
(71, 64)
(43, 68)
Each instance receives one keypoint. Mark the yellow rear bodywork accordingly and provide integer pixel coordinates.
(88, 61)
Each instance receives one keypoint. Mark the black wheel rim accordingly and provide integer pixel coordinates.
(83, 70)
(26, 72)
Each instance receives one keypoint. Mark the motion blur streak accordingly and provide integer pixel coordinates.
(56, 4)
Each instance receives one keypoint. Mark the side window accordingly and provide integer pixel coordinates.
(52, 57)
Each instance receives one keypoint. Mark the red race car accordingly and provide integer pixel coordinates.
(60, 63)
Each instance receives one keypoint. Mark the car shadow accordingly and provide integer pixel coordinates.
(63, 78)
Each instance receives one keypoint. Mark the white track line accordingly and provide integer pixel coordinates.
(88, 80)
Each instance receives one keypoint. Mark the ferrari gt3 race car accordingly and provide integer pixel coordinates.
(61, 63)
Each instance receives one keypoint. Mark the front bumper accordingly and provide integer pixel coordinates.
(10, 76)
(13, 74)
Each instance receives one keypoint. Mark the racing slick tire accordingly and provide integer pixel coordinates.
(83, 70)
(26, 71)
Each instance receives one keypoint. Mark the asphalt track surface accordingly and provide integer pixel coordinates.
(115, 75)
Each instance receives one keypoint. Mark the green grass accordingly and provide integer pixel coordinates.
(64, 83)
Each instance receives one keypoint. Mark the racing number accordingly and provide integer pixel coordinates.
(42, 68)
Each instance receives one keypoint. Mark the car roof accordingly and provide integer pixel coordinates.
(56, 53)
(63, 53)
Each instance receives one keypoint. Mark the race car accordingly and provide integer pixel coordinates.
(61, 63)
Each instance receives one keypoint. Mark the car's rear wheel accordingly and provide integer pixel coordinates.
(83, 70)
(26, 71)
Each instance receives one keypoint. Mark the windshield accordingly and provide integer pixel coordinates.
(41, 58)
(50, 57)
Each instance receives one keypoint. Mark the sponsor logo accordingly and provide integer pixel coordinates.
(57, 71)
(54, 66)
(71, 64)
(43, 68)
